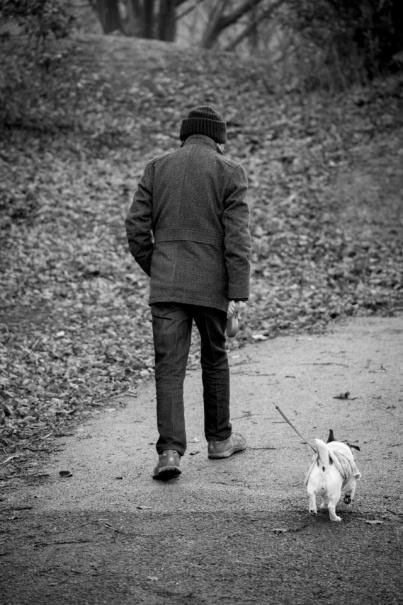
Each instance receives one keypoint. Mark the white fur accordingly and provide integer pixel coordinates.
(332, 470)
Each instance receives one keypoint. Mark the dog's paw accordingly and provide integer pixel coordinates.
(313, 512)
(336, 519)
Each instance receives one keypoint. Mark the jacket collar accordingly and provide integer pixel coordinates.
(201, 139)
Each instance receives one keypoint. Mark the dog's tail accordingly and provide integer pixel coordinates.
(323, 453)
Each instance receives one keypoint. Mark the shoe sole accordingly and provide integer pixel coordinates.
(225, 454)
(167, 472)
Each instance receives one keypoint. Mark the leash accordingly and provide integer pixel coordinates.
(293, 427)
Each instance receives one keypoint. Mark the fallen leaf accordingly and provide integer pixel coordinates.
(345, 395)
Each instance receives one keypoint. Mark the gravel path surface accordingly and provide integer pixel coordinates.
(233, 531)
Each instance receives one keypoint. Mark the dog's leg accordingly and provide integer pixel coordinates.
(333, 500)
(350, 491)
(312, 503)
(332, 512)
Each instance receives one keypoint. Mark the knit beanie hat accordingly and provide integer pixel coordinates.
(204, 120)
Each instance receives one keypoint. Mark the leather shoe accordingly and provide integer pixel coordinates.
(225, 449)
(168, 465)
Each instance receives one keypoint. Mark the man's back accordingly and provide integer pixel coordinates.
(193, 202)
(189, 189)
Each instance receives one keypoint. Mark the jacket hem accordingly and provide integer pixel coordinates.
(199, 302)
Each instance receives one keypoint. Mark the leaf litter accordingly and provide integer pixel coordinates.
(325, 182)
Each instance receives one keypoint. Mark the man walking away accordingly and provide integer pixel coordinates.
(188, 229)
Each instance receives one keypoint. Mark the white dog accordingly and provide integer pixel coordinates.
(332, 470)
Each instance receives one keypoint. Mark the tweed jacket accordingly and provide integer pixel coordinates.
(188, 226)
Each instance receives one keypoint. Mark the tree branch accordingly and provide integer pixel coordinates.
(266, 14)
(222, 21)
(188, 10)
(227, 20)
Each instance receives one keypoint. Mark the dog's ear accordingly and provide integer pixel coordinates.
(331, 436)
(351, 445)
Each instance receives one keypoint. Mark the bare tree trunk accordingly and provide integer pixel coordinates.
(148, 16)
(142, 18)
(253, 36)
(167, 20)
(108, 13)
(132, 23)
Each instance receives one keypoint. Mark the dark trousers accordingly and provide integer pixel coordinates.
(172, 329)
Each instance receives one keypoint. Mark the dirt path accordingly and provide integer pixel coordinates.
(234, 531)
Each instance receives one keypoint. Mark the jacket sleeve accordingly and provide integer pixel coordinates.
(139, 222)
(237, 239)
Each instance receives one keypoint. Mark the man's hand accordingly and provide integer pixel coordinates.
(235, 307)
